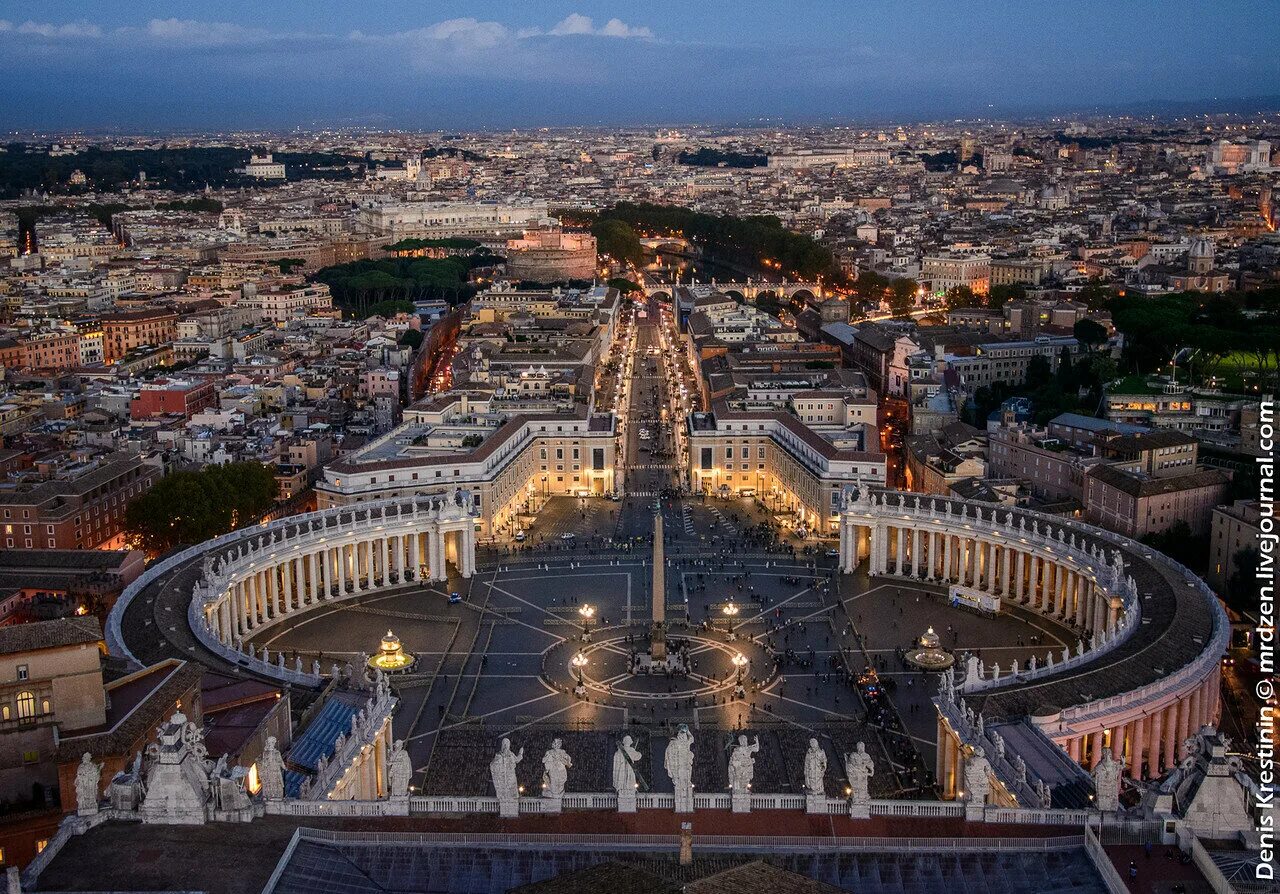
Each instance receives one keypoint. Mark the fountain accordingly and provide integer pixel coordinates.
(392, 658)
(929, 654)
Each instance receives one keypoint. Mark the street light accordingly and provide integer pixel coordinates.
(579, 661)
(730, 612)
(740, 662)
(587, 612)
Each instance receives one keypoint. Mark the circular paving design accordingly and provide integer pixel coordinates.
(607, 678)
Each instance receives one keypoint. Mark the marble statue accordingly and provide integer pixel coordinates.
(503, 771)
(556, 763)
(125, 790)
(815, 768)
(1044, 794)
(977, 777)
(88, 786)
(678, 761)
(177, 779)
(624, 767)
(399, 771)
(227, 787)
(859, 767)
(742, 766)
(271, 771)
(1106, 782)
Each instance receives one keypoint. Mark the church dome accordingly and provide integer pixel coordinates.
(1201, 247)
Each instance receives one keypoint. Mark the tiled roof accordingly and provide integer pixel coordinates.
(49, 634)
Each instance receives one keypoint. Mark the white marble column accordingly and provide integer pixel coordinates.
(946, 557)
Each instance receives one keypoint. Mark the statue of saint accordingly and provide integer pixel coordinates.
(556, 763)
(977, 777)
(678, 761)
(88, 782)
(624, 766)
(742, 766)
(399, 771)
(503, 770)
(815, 768)
(1106, 782)
(859, 767)
(271, 771)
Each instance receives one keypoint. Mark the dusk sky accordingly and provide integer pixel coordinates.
(255, 63)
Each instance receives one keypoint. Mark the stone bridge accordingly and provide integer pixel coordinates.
(746, 290)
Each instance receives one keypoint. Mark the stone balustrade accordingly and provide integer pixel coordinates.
(252, 579)
(1015, 556)
(1077, 575)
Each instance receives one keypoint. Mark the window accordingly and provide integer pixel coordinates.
(24, 672)
(26, 705)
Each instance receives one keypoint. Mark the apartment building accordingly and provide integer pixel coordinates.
(126, 330)
(82, 508)
(1232, 529)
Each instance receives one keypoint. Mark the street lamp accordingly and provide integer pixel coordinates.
(730, 612)
(579, 661)
(587, 612)
(740, 662)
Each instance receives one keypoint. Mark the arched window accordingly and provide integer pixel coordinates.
(26, 705)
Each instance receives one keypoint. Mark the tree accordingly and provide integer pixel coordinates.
(623, 285)
(617, 240)
(1095, 295)
(902, 297)
(1242, 587)
(1090, 333)
(1178, 541)
(412, 338)
(959, 297)
(1039, 372)
(190, 507)
(1004, 293)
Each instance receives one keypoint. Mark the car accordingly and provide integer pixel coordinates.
(568, 535)
(833, 554)
(455, 597)
(521, 536)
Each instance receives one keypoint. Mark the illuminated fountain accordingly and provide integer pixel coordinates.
(929, 654)
(392, 657)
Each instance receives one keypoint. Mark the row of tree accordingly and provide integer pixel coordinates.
(191, 507)
(24, 167)
(742, 241)
(359, 285)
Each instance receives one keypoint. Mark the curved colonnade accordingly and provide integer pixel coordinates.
(1144, 676)
(252, 579)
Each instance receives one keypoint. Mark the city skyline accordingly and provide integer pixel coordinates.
(483, 66)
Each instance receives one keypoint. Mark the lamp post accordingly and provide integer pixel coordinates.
(587, 612)
(579, 661)
(730, 612)
(740, 662)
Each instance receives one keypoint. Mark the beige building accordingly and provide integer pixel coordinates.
(50, 682)
(797, 470)
(1231, 529)
(942, 272)
(508, 462)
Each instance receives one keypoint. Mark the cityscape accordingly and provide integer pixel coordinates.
(616, 447)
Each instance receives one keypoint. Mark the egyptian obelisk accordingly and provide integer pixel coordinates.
(658, 632)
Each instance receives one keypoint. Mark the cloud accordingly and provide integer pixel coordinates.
(576, 24)
(79, 29)
(189, 32)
